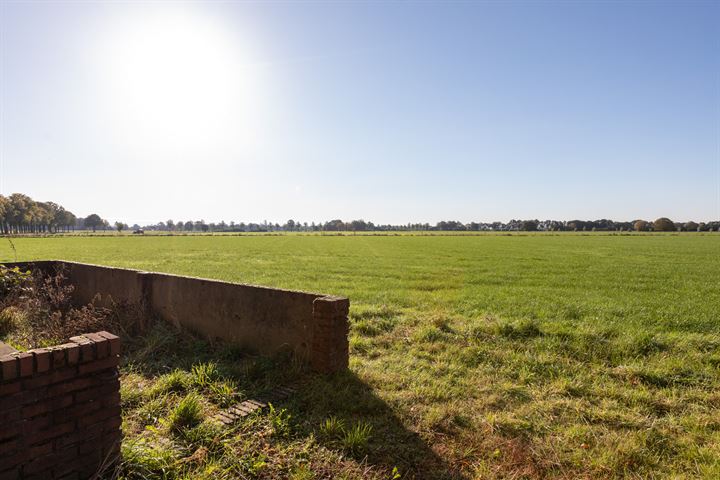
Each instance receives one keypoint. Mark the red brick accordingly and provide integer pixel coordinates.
(30, 427)
(11, 401)
(9, 416)
(9, 447)
(9, 388)
(26, 363)
(72, 352)
(13, 460)
(9, 431)
(96, 417)
(102, 346)
(72, 386)
(8, 367)
(78, 436)
(58, 357)
(40, 450)
(46, 406)
(40, 464)
(111, 399)
(112, 424)
(77, 411)
(42, 359)
(97, 392)
(13, 474)
(67, 476)
(110, 362)
(51, 433)
(49, 378)
(114, 342)
(87, 348)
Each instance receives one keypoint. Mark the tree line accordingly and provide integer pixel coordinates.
(659, 225)
(21, 214)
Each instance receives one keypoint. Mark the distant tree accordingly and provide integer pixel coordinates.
(290, 225)
(358, 225)
(334, 225)
(640, 225)
(530, 225)
(119, 226)
(664, 224)
(93, 221)
(691, 227)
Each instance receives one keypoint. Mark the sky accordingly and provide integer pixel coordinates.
(393, 112)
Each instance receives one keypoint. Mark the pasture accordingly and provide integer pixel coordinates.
(490, 356)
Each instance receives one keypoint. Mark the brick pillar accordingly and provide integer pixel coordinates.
(330, 348)
(60, 409)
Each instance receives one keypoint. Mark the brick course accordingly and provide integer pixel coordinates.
(60, 409)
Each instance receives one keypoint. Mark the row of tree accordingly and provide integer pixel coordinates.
(660, 225)
(21, 214)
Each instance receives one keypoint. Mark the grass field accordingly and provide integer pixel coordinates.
(522, 356)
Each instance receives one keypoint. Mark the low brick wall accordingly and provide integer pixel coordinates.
(264, 320)
(60, 409)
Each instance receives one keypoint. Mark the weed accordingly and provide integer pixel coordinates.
(187, 413)
(142, 459)
(204, 374)
(176, 381)
(356, 439)
(10, 319)
(332, 427)
(224, 393)
(519, 330)
(279, 421)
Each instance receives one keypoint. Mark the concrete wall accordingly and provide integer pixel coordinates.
(263, 320)
(60, 409)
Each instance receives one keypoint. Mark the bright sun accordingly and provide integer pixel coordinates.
(176, 79)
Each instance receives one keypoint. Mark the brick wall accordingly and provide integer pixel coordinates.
(329, 351)
(260, 319)
(60, 409)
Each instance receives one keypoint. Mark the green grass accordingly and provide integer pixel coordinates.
(492, 356)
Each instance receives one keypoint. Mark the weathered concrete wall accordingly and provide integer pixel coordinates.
(263, 320)
(60, 409)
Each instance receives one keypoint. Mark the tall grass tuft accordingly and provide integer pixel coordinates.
(355, 440)
(187, 413)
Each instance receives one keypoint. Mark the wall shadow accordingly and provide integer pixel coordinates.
(342, 395)
(349, 399)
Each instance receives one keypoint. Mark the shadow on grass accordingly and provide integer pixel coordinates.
(342, 396)
(345, 397)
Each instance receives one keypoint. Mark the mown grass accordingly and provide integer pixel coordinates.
(566, 356)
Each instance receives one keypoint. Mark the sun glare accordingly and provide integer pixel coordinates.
(176, 79)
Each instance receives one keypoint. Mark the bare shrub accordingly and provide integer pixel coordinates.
(48, 312)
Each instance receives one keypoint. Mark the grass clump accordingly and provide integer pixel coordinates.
(176, 381)
(224, 394)
(279, 421)
(332, 427)
(142, 459)
(523, 329)
(205, 374)
(10, 319)
(356, 438)
(187, 413)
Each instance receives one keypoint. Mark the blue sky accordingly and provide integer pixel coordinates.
(391, 112)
